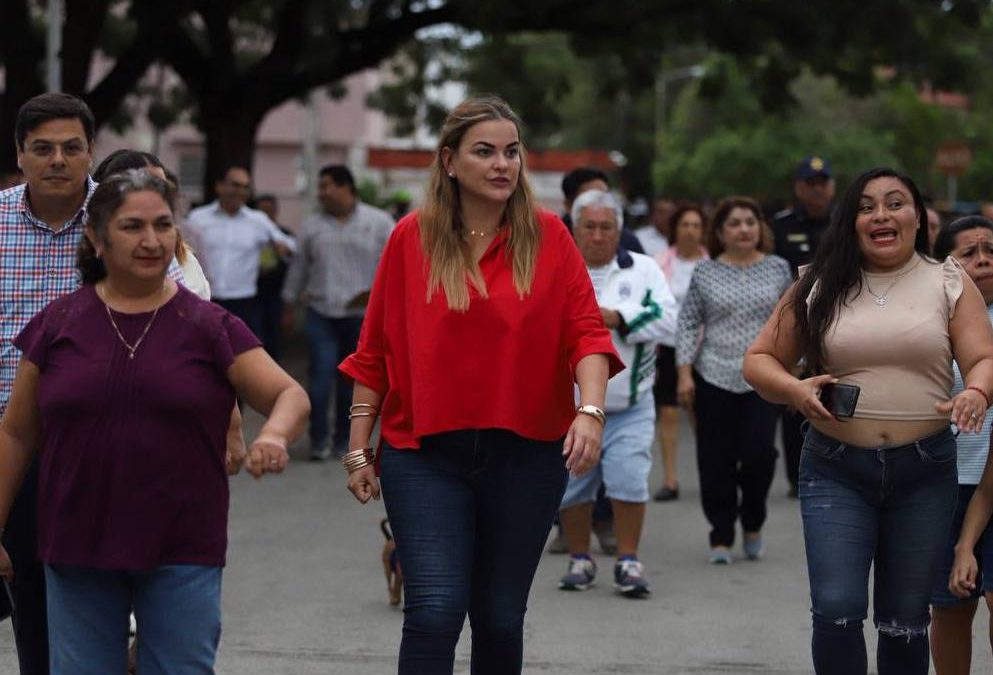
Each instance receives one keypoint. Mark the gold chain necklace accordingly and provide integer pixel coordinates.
(127, 345)
(481, 233)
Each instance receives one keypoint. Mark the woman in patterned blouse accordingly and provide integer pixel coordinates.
(729, 299)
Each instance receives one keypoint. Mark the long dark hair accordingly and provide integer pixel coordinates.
(837, 266)
(106, 200)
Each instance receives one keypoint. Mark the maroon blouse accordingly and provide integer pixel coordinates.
(131, 462)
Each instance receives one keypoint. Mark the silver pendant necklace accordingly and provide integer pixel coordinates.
(127, 345)
(882, 299)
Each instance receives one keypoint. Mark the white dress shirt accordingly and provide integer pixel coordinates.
(229, 247)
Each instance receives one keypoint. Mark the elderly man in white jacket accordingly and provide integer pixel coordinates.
(640, 311)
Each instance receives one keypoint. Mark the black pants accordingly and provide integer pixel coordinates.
(28, 588)
(735, 453)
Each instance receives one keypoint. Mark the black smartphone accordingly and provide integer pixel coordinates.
(840, 399)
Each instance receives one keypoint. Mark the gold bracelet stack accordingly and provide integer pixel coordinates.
(374, 411)
(358, 459)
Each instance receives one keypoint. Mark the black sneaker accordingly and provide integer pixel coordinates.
(629, 579)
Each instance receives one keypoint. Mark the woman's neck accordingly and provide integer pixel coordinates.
(481, 216)
(747, 257)
(690, 251)
(134, 295)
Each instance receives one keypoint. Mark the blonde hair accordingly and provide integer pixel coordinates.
(451, 265)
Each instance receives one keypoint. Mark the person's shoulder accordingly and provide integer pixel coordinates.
(195, 310)
(374, 213)
(785, 216)
(552, 223)
(644, 262)
(202, 212)
(777, 262)
(11, 201)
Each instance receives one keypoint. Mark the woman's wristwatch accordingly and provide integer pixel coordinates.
(593, 411)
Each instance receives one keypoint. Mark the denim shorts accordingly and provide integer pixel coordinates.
(940, 595)
(625, 462)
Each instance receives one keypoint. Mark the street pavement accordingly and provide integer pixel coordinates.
(304, 591)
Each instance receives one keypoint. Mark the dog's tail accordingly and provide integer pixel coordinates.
(384, 526)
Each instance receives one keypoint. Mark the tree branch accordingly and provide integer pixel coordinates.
(217, 18)
(359, 49)
(84, 21)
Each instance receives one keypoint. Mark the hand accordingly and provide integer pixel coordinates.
(360, 301)
(582, 444)
(807, 398)
(967, 410)
(612, 318)
(282, 249)
(6, 567)
(267, 454)
(685, 391)
(962, 579)
(234, 456)
(363, 484)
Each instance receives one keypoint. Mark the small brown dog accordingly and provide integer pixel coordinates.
(391, 564)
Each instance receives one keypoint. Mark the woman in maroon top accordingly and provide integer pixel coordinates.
(481, 319)
(126, 387)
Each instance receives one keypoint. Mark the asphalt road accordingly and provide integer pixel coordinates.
(304, 592)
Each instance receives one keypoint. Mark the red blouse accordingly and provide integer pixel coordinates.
(508, 362)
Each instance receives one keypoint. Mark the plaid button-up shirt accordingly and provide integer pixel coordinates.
(37, 265)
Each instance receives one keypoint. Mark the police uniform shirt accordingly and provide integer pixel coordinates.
(797, 236)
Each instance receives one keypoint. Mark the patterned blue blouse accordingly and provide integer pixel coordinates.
(728, 304)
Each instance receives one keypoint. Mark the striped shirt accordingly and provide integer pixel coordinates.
(336, 260)
(972, 448)
(37, 265)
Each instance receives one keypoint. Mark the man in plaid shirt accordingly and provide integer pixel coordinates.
(41, 223)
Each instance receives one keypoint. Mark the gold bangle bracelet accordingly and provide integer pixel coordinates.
(361, 414)
(361, 405)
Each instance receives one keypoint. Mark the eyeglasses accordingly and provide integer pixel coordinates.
(71, 148)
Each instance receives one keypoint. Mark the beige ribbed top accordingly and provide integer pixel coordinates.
(899, 352)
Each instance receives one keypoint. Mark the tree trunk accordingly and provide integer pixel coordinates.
(229, 141)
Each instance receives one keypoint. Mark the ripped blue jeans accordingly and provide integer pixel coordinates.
(890, 508)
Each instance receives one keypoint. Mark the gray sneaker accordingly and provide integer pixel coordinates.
(629, 579)
(320, 453)
(581, 575)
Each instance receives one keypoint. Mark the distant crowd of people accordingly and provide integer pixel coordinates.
(519, 367)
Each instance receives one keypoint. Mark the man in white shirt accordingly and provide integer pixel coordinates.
(229, 237)
(639, 310)
(339, 250)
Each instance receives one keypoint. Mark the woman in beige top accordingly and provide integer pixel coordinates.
(878, 488)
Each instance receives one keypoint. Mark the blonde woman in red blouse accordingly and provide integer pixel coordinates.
(481, 320)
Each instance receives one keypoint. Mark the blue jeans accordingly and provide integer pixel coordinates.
(470, 512)
(177, 609)
(329, 342)
(891, 507)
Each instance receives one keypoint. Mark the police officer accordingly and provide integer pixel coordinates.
(797, 233)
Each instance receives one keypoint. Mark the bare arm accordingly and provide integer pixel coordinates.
(267, 388)
(363, 482)
(582, 441)
(19, 433)
(770, 360)
(962, 579)
(972, 346)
